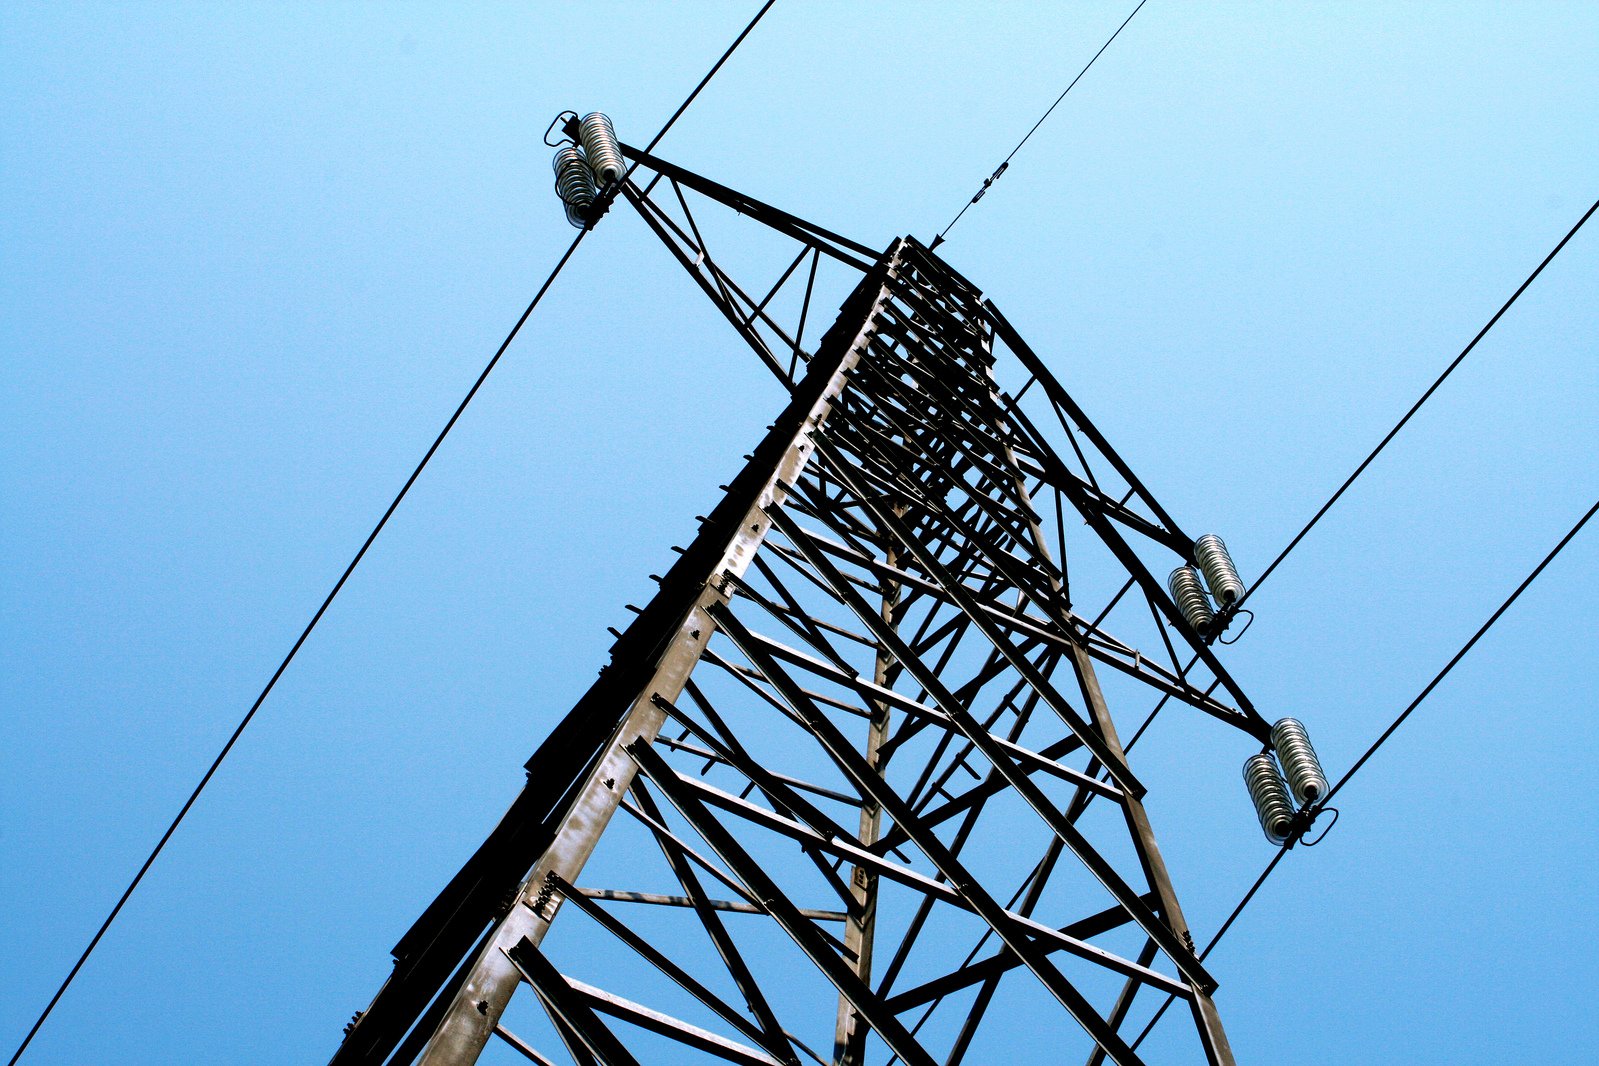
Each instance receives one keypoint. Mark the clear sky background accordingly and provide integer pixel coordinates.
(253, 255)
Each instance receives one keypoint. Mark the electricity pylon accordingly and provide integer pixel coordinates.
(850, 783)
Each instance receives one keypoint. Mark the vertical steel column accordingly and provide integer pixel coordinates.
(849, 1042)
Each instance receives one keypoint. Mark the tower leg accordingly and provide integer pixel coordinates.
(733, 540)
(849, 1042)
(1211, 1035)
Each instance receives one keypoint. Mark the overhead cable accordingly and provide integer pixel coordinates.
(1005, 163)
(655, 140)
(1381, 740)
(1450, 369)
(294, 650)
(1461, 654)
(338, 585)
(1350, 480)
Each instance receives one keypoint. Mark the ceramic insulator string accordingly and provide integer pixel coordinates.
(1220, 573)
(1299, 762)
(1270, 797)
(1189, 595)
(574, 184)
(604, 151)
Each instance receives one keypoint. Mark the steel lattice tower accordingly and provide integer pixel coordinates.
(858, 730)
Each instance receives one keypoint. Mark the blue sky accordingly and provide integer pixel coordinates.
(255, 253)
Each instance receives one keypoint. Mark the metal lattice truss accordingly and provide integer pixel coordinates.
(849, 788)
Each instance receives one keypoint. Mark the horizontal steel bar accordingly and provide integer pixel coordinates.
(816, 666)
(521, 1046)
(851, 851)
(1002, 961)
(618, 896)
(666, 1025)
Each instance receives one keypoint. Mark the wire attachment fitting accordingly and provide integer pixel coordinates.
(560, 121)
(989, 181)
(1310, 820)
(1230, 614)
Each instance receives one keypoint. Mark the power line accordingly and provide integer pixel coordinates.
(1271, 866)
(707, 79)
(1149, 1027)
(1006, 162)
(1381, 740)
(1461, 654)
(284, 665)
(1450, 369)
(1350, 480)
(354, 562)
